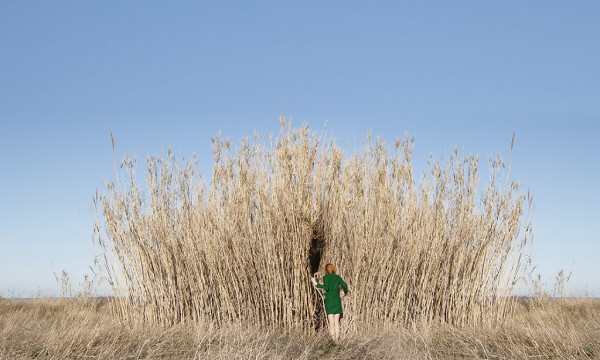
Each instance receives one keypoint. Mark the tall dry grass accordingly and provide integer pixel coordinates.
(68, 329)
(440, 248)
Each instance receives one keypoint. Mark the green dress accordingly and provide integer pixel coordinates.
(331, 284)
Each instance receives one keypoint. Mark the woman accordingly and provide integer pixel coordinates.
(333, 302)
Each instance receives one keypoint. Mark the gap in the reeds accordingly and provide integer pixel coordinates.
(243, 247)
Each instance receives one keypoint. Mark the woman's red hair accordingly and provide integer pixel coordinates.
(330, 269)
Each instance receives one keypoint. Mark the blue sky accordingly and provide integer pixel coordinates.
(156, 74)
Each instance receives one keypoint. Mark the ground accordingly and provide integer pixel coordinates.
(79, 329)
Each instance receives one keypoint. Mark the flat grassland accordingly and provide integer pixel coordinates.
(78, 329)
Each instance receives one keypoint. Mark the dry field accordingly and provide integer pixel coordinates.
(62, 329)
(221, 269)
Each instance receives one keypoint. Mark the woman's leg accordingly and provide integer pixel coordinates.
(336, 324)
(330, 321)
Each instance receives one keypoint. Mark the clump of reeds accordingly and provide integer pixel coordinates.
(242, 249)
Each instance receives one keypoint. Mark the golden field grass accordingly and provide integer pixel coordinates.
(71, 329)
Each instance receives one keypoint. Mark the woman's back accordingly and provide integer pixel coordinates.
(332, 282)
(331, 285)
